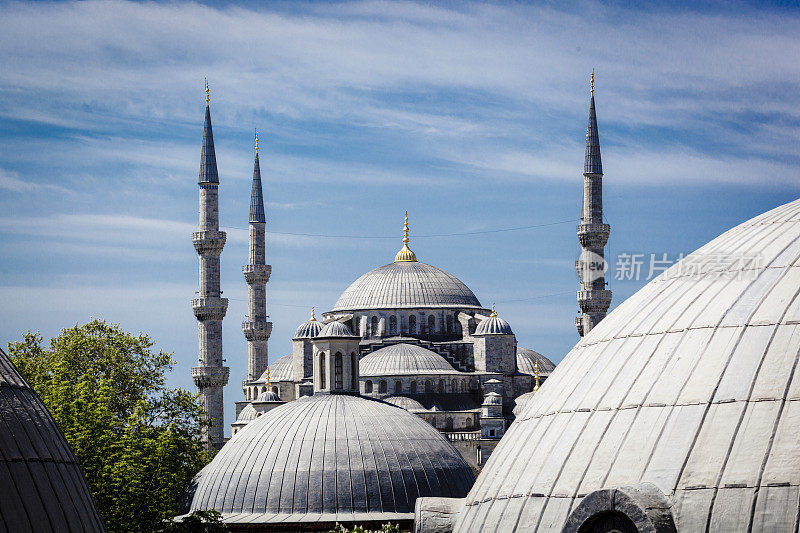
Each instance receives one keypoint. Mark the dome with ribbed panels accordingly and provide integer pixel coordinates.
(692, 386)
(401, 359)
(308, 329)
(335, 329)
(409, 404)
(43, 486)
(494, 325)
(406, 285)
(526, 359)
(280, 369)
(329, 458)
(267, 396)
(247, 414)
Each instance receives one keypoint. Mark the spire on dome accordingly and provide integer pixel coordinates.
(494, 312)
(536, 375)
(313, 318)
(256, 196)
(405, 254)
(593, 163)
(208, 159)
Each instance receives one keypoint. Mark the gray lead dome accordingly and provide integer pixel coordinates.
(405, 285)
(328, 458)
(690, 388)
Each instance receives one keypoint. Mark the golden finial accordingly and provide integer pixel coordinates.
(494, 313)
(268, 381)
(256, 141)
(536, 375)
(592, 82)
(405, 254)
(313, 318)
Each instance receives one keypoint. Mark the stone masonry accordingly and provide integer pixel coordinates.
(209, 307)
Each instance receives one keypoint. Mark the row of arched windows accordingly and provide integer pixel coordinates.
(456, 385)
(427, 327)
(338, 371)
(251, 393)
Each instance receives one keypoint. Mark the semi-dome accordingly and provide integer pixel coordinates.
(399, 359)
(409, 404)
(493, 325)
(308, 329)
(527, 359)
(43, 486)
(329, 458)
(335, 329)
(281, 369)
(247, 414)
(686, 396)
(405, 285)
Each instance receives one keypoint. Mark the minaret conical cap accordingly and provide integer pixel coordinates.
(405, 255)
(208, 158)
(256, 196)
(593, 163)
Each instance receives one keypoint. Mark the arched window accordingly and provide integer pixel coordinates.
(354, 372)
(428, 386)
(263, 389)
(368, 387)
(468, 422)
(448, 423)
(412, 324)
(431, 324)
(382, 386)
(457, 325)
(449, 323)
(463, 385)
(413, 386)
(392, 325)
(398, 387)
(275, 390)
(454, 385)
(374, 326)
(322, 370)
(338, 381)
(441, 385)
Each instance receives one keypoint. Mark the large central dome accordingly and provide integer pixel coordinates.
(404, 285)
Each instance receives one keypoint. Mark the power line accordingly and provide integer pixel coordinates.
(432, 235)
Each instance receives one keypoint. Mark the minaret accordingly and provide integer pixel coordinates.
(593, 297)
(209, 307)
(256, 273)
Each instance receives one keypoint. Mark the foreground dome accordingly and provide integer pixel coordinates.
(683, 402)
(401, 359)
(329, 458)
(404, 285)
(43, 486)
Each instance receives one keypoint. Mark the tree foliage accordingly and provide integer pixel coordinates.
(137, 440)
(385, 528)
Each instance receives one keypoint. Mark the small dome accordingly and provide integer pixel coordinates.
(492, 398)
(526, 359)
(267, 396)
(247, 414)
(335, 329)
(281, 369)
(409, 404)
(329, 458)
(494, 325)
(309, 329)
(521, 401)
(398, 359)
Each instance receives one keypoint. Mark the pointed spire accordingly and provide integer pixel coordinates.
(313, 318)
(593, 163)
(256, 196)
(494, 312)
(405, 255)
(208, 159)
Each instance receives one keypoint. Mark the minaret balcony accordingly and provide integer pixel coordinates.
(256, 331)
(579, 325)
(596, 301)
(593, 235)
(256, 274)
(209, 242)
(210, 376)
(210, 308)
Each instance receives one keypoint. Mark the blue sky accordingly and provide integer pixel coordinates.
(471, 116)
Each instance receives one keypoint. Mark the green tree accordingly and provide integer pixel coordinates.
(137, 440)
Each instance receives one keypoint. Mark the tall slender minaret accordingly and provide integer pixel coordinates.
(593, 297)
(209, 307)
(256, 273)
